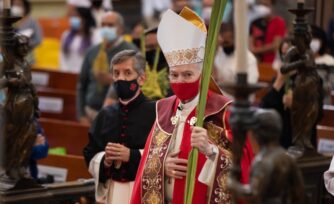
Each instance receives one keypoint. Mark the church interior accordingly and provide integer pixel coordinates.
(58, 74)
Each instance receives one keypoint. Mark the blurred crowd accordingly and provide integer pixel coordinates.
(96, 32)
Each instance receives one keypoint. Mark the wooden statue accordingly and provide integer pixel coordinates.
(20, 109)
(274, 177)
(308, 88)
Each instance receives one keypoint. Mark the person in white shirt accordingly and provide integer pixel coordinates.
(225, 60)
(329, 178)
(318, 46)
(78, 39)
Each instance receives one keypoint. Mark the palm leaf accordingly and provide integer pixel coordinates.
(215, 21)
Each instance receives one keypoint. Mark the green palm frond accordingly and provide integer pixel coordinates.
(215, 22)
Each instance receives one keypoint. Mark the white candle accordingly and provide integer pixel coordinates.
(6, 4)
(241, 35)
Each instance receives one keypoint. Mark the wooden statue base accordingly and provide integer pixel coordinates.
(68, 192)
(23, 191)
(313, 166)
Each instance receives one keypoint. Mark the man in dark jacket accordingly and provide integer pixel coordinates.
(119, 131)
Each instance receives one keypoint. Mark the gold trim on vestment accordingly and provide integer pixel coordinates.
(153, 174)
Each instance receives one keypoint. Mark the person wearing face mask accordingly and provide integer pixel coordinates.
(119, 131)
(225, 60)
(78, 39)
(94, 79)
(318, 46)
(157, 85)
(27, 25)
(162, 171)
(151, 44)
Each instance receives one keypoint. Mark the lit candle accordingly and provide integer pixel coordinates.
(6, 4)
(241, 35)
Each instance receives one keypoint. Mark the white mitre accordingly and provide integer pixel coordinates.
(182, 37)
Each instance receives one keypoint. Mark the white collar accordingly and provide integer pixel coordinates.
(190, 105)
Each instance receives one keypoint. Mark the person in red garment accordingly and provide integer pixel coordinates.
(162, 171)
(267, 34)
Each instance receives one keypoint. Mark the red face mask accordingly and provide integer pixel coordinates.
(185, 91)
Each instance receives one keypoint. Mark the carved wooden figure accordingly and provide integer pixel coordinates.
(307, 91)
(20, 109)
(274, 177)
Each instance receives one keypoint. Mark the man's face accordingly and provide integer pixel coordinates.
(226, 39)
(184, 73)
(126, 71)
(137, 31)
(151, 41)
(111, 21)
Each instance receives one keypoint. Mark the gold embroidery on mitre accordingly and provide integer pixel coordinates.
(187, 56)
(152, 197)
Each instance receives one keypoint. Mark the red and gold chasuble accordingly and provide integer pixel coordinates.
(149, 184)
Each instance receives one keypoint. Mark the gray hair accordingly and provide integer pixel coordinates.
(139, 62)
(120, 19)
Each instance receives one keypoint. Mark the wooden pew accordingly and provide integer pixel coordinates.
(71, 135)
(75, 165)
(54, 79)
(328, 119)
(324, 132)
(266, 72)
(57, 103)
(53, 27)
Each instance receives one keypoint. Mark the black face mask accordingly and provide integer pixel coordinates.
(136, 42)
(150, 55)
(126, 89)
(228, 49)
